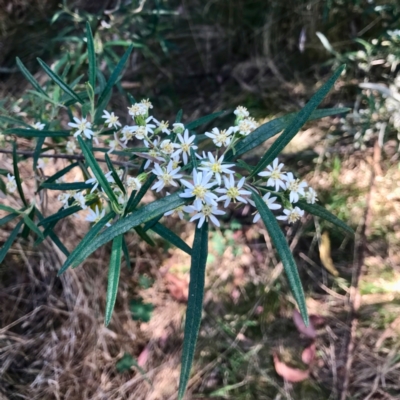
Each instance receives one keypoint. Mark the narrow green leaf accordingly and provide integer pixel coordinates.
(272, 128)
(37, 151)
(149, 224)
(138, 217)
(319, 211)
(113, 277)
(114, 174)
(61, 173)
(9, 209)
(63, 213)
(66, 186)
(25, 232)
(97, 171)
(16, 174)
(32, 225)
(136, 199)
(131, 99)
(10, 240)
(30, 77)
(8, 218)
(179, 116)
(296, 124)
(279, 241)
(143, 235)
(14, 121)
(203, 120)
(35, 133)
(171, 237)
(105, 95)
(85, 242)
(91, 56)
(64, 86)
(126, 254)
(195, 304)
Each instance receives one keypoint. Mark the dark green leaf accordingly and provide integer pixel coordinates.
(91, 56)
(16, 174)
(114, 174)
(10, 240)
(138, 217)
(195, 304)
(113, 277)
(126, 254)
(97, 171)
(27, 229)
(8, 218)
(134, 201)
(203, 120)
(66, 186)
(279, 241)
(85, 242)
(105, 95)
(67, 89)
(9, 209)
(36, 133)
(37, 151)
(14, 121)
(179, 116)
(272, 128)
(32, 225)
(317, 210)
(296, 124)
(141, 311)
(143, 235)
(30, 78)
(61, 173)
(171, 237)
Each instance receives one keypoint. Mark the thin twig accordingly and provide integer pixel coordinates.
(355, 297)
(78, 157)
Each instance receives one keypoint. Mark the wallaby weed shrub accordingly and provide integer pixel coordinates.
(72, 120)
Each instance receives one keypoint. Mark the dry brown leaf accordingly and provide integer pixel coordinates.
(325, 254)
(288, 373)
(177, 287)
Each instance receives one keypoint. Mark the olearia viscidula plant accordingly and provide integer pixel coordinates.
(185, 181)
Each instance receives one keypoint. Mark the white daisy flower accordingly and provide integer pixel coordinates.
(39, 126)
(153, 152)
(275, 176)
(142, 131)
(95, 183)
(311, 196)
(295, 186)
(113, 144)
(231, 192)
(223, 137)
(200, 188)
(147, 103)
(167, 147)
(215, 166)
(41, 163)
(205, 212)
(165, 176)
(269, 201)
(133, 183)
(291, 215)
(127, 133)
(186, 143)
(83, 127)
(163, 126)
(138, 110)
(241, 112)
(178, 127)
(63, 198)
(111, 119)
(81, 200)
(95, 216)
(246, 126)
(70, 147)
(11, 185)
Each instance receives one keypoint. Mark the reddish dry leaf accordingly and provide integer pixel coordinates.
(308, 331)
(308, 354)
(288, 373)
(178, 288)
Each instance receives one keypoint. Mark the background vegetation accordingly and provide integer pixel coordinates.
(203, 57)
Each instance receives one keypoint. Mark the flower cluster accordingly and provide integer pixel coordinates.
(207, 180)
